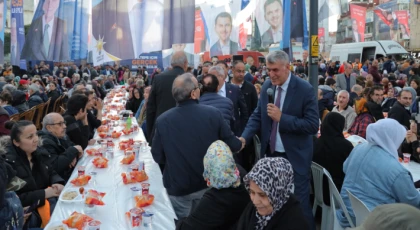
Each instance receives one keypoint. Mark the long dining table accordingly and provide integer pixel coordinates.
(119, 198)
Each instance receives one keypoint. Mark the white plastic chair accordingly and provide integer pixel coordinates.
(317, 175)
(336, 203)
(359, 209)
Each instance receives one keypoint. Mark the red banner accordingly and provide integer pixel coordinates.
(243, 34)
(381, 14)
(199, 35)
(358, 18)
(402, 17)
(321, 32)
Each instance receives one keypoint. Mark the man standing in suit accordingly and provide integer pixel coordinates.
(247, 88)
(47, 37)
(273, 14)
(356, 35)
(176, 48)
(223, 28)
(182, 137)
(234, 93)
(287, 126)
(345, 80)
(160, 98)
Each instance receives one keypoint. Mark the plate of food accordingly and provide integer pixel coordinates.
(71, 195)
(56, 225)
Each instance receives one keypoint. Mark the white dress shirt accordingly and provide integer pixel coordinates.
(225, 48)
(279, 143)
(277, 36)
(222, 91)
(50, 28)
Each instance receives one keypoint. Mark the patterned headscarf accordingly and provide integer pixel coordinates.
(220, 170)
(274, 175)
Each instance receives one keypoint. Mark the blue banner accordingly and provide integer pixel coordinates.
(3, 10)
(17, 34)
(59, 31)
(151, 61)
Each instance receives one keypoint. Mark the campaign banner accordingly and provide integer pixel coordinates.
(58, 32)
(151, 61)
(416, 1)
(270, 20)
(222, 31)
(3, 10)
(402, 17)
(199, 33)
(17, 34)
(243, 35)
(188, 49)
(386, 22)
(127, 29)
(358, 22)
(321, 32)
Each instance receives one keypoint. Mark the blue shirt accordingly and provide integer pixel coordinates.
(279, 143)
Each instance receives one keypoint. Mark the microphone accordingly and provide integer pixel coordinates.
(270, 93)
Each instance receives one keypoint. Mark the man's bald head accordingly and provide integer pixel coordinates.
(183, 86)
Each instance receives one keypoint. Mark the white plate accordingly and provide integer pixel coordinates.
(53, 224)
(78, 198)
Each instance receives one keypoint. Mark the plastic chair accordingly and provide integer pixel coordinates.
(318, 175)
(257, 147)
(39, 114)
(336, 203)
(15, 117)
(359, 209)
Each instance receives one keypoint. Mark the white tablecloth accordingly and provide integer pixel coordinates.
(414, 168)
(119, 198)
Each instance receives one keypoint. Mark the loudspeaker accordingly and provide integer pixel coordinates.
(237, 57)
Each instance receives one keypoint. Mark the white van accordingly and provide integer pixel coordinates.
(367, 51)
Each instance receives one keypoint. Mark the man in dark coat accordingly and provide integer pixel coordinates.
(401, 109)
(183, 153)
(76, 120)
(63, 152)
(34, 98)
(160, 98)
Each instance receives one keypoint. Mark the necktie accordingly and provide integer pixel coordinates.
(46, 39)
(273, 136)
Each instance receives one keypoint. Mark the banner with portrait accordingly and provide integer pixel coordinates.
(187, 48)
(386, 21)
(404, 29)
(17, 34)
(127, 29)
(58, 32)
(222, 31)
(3, 10)
(358, 22)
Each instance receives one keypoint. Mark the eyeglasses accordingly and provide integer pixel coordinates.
(59, 123)
(200, 86)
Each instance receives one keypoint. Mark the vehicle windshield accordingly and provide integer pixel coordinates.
(400, 57)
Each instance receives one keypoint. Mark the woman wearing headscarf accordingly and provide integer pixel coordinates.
(414, 106)
(270, 185)
(332, 149)
(374, 174)
(134, 102)
(222, 205)
(363, 119)
(389, 100)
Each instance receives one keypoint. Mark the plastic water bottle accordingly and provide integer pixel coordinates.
(128, 123)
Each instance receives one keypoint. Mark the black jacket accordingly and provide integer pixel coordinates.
(54, 95)
(223, 104)
(250, 96)
(183, 153)
(76, 131)
(61, 153)
(160, 98)
(387, 104)
(218, 209)
(375, 110)
(35, 100)
(399, 113)
(289, 217)
(39, 178)
(240, 110)
(93, 123)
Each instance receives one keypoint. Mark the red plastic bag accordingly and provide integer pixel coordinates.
(133, 177)
(77, 220)
(81, 180)
(94, 197)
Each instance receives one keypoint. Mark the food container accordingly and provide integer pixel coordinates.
(136, 216)
(147, 219)
(134, 167)
(135, 191)
(407, 157)
(94, 225)
(81, 170)
(89, 209)
(145, 188)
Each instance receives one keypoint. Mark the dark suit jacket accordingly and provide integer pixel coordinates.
(267, 38)
(216, 49)
(160, 98)
(250, 95)
(298, 123)
(400, 114)
(34, 48)
(240, 110)
(182, 137)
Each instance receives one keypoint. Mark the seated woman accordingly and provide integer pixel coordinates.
(270, 185)
(332, 149)
(389, 100)
(373, 172)
(363, 119)
(221, 206)
(43, 185)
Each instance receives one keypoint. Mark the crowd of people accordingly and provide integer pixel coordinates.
(202, 123)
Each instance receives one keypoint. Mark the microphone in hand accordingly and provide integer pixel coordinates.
(270, 93)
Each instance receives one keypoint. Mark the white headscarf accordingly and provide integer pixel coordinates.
(387, 134)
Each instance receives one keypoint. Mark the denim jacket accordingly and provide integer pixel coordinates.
(375, 177)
